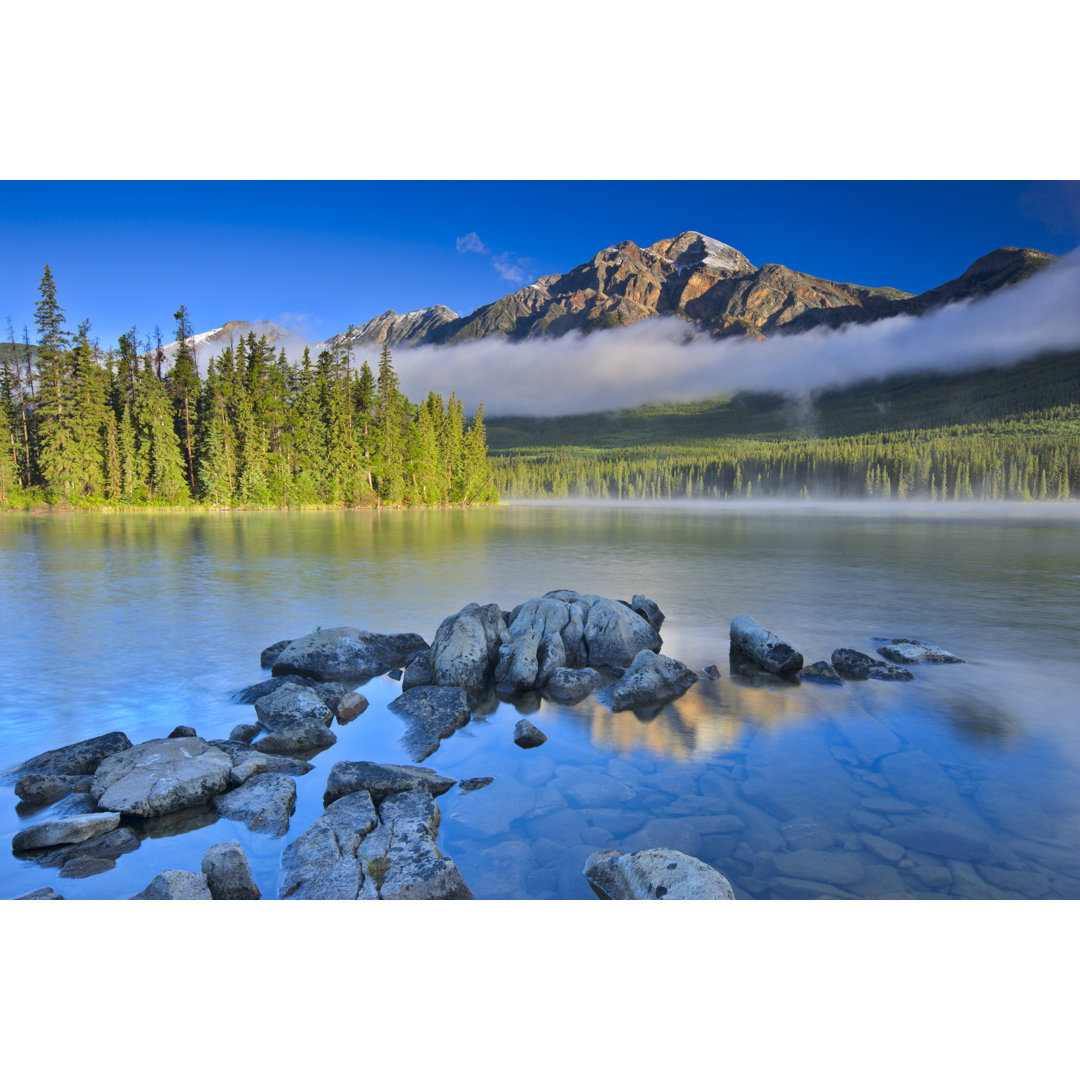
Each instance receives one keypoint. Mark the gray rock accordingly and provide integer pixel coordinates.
(228, 876)
(573, 635)
(910, 651)
(381, 781)
(322, 863)
(614, 634)
(857, 665)
(248, 761)
(68, 830)
(330, 693)
(76, 759)
(38, 789)
(244, 733)
(92, 856)
(176, 885)
(821, 672)
(832, 867)
(466, 647)
(517, 665)
(263, 803)
(941, 836)
(182, 731)
(527, 735)
(417, 671)
(550, 657)
(161, 776)
(542, 616)
(474, 783)
(764, 647)
(345, 654)
(350, 707)
(401, 859)
(290, 705)
(655, 874)
(649, 680)
(299, 738)
(713, 672)
(431, 714)
(569, 685)
(250, 694)
(272, 652)
(648, 610)
(41, 894)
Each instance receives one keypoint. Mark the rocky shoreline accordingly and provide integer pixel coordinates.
(378, 835)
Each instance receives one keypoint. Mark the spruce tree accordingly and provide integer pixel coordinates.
(185, 387)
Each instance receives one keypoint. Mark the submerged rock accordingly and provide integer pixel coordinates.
(92, 856)
(910, 651)
(475, 783)
(161, 776)
(176, 885)
(650, 680)
(322, 863)
(431, 714)
(466, 647)
(346, 654)
(41, 894)
(250, 694)
(764, 647)
(713, 672)
(655, 874)
(527, 735)
(68, 830)
(263, 803)
(381, 781)
(76, 759)
(821, 672)
(227, 873)
(569, 685)
(855, 664)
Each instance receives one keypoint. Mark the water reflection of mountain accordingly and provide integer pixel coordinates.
(711, 718)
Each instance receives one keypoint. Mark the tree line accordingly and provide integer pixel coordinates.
(82, 428)
(1036, 457)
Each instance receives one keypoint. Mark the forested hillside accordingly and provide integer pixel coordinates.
(1009, 433)
(84, 429)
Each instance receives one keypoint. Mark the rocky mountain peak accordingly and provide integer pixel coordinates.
(694, 248)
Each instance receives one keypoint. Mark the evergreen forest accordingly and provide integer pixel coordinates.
(84, 429)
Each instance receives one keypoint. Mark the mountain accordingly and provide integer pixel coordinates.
(211, 342)
(392, 329)
(710, 284)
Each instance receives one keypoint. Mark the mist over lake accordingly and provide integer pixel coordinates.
(962, 783)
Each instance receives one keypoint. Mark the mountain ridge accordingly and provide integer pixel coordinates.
(711, 285)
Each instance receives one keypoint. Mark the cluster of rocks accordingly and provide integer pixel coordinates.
(770, 653)
(377, 838)
(105, 791)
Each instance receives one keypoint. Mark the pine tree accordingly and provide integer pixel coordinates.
(185, 387)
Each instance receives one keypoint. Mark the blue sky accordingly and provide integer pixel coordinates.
(319, 255)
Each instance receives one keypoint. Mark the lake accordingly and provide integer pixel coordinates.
(963, 783)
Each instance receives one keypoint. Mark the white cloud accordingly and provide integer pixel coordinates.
(471, 242)
(511, 269)
(653, 360)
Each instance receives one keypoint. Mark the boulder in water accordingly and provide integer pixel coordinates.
(764, 647)
(346, 654)
(858, 665)
(651, 679)
(655, 874)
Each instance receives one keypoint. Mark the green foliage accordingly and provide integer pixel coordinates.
(377, 869)
(119, 430)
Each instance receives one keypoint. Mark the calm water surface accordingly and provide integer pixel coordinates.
(960, 784)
